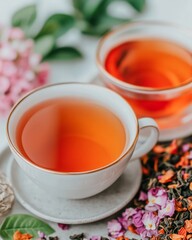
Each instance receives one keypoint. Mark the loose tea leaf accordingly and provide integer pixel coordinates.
(80, 236)
(25, 224)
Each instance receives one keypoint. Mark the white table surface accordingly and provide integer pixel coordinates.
(177, 11)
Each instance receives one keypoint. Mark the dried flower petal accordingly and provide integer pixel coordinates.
(190, 186)
(115, 229)
(166, 177)
(95, 238)
(122, 238)
(132, 229)
(63, 226)
(142, 196)
(157, 198)
(150, 221)
(182, 231)
(176, 237)
(179, 207)
(168, 210)
(161, 231)
(21, 236)
(188, 226)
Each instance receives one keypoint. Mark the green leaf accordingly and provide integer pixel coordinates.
(25, 224)
(64, 53)
(137, 4)
(44, 45)
(104, 24)
(24, 17)
(91, 9)
(57, 25)
(78, 4)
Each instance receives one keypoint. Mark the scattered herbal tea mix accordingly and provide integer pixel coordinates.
(161, 210)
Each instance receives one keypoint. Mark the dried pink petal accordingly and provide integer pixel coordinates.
(63, 226)
(115, 229)
(168, 210)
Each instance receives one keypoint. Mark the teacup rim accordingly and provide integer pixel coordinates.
(128, 86)
(17, 152)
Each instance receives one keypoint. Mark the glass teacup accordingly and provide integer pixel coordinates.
(160, 103)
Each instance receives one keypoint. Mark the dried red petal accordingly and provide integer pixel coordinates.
(190, 186)
(179, 207)
(184, 161)
(186, 176)
(122, 238)
(145, 171)
(132, 229)
(159, 149)
(176, 236)
(188, 226)
(173, 185)
(167, 176)
(21, 236)
(182, 231)
(161, 231)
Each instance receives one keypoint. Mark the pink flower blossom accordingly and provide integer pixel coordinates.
(157, 198)
(127, 215)
(4, 84)
(63, 226)
(185, 147)
(43, 73)
(147, 234)
(15, 33)
(7, 52)
(124, 222)
(41, 235)
(140, 230)
(95, 238)
(142, 196)
(5, 103)
(190, 155)
(21, 69)
(115, 229)
(150, 221)
(168, 210)
(8, 69)
(137, 218)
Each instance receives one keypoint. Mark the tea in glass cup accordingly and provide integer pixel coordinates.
(150, 65)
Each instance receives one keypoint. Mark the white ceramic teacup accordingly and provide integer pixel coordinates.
(79, 185)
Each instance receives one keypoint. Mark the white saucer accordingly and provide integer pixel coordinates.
(177, 126)
(83, 211)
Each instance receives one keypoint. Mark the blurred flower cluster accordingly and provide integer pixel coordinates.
(144, 221)
(21, 69)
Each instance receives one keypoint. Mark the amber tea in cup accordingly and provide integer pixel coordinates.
(150, 65)
(70, 135)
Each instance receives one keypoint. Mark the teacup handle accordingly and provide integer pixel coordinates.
(149, 140)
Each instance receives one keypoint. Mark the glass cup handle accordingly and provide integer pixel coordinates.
(147, 139)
